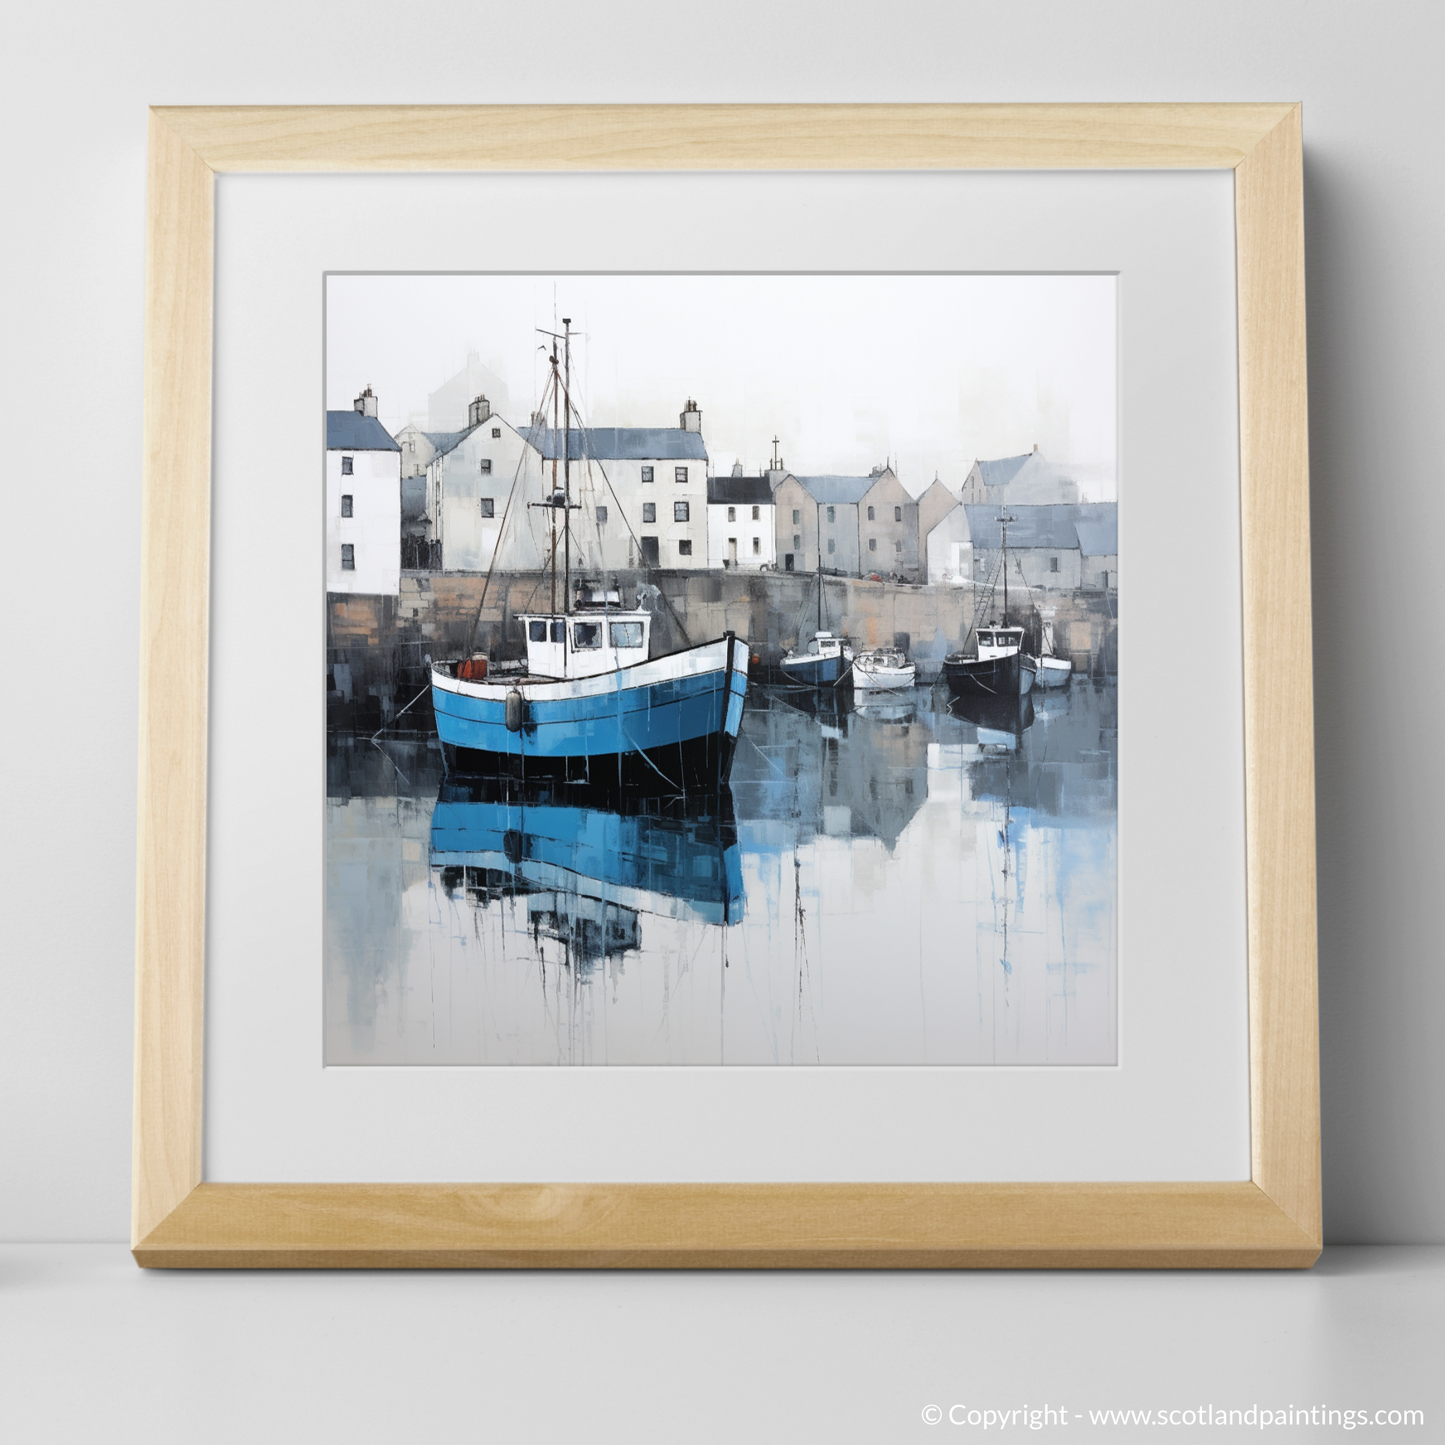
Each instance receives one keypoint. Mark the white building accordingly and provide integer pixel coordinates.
(949, 548)
(740, 523)
(640, 492)
(470, 477)
(363, 502)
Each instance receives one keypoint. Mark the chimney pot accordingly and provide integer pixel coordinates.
(365, 403)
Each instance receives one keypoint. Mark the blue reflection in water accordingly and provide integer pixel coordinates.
(889, 881)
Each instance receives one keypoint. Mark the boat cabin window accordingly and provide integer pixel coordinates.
(559, 632)
(536, 632)
(586, 635)
(626, 634)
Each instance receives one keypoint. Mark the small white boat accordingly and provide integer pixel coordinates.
(1052, 671)
(883, 669)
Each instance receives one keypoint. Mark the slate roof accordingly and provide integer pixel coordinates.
(739, 491)
(614, 443)
(1001, 472)
(444, 441)
(349, 431)
(1098, 527)
(837, 491)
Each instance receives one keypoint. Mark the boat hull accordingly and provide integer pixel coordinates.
(670, 723)
(883, 679)
(1054, 672)
(1005, 676)
(813, 671)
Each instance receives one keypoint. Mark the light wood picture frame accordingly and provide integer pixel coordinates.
(1271, 1220)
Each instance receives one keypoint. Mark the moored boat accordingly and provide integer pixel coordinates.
(822, 663)
(1052, 671)
(592, 704)
(999, 667)
(883, 669)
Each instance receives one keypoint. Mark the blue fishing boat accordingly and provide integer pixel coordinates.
(591, 704)
(825, 660)
(591, 859)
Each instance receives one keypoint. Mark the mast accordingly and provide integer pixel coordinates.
(1003, 522)
(566, 464)
(552, 500)
(818, 507)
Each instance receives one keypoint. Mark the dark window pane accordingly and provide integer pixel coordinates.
(586, 635)
(346, 504)
(348, 557)
(647, 474)
(681, 474)
(559, 631)
(536, 631)
(489, 507)
(679, 511)
(684, 549)
(601, 515)
(649, 550)
(649, 511)
(486, 466)
(626, 634)
(346, 466)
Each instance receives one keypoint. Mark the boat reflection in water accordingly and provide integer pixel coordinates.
(589, 872)
(1001, 721)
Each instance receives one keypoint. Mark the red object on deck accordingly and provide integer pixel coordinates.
(474, 669)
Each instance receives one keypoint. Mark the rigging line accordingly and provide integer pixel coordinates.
(501, 536)
(622, 512)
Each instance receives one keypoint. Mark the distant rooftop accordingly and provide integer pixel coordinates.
(349, 431)
(739, 491)
(837, 491)
(1098, 527)
(619, 443)
(1001, 472)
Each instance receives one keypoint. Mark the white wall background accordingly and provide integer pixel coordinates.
(73, 104)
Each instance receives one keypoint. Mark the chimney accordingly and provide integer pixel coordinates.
(1036, 447)
(365, 403)
(479, 411)
(737, 469)
(691, 418)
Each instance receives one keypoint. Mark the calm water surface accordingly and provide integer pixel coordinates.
(891, 882)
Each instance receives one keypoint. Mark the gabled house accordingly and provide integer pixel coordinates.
(948, 547)
(819, 516)
(887, 527)
(470, 477)
(740, 524)
(1043, 547)
(641, 491)
(1027, 480)
(363, 502)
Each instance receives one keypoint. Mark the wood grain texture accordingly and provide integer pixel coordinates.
(704, 1226)
(175, 569)
(1279, 695)
(720, 137)
(1273, 1221)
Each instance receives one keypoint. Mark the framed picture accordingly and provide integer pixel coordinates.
(762, 823)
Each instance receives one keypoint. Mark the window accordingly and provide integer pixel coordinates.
(870, 514)
(832, 546)
(348, 557)
(684, 549)
(489, 506)
(873, 544)
(536, 631)
(601, 515)
(680, 474)
(797, 516)
(486, 466)
(732, 514)
(898, 547)
(647, 474)
(346, 504)
(586, 636)
(832, 516)
(649, 550)
(626, 634)
(757, 514)
(898, 514)
(679, 511)
(1053, 561)
(649, 511)
(787, 561)
(559, 632)
(496, 433)
(346, 466)
(797, 542)
(757, 547)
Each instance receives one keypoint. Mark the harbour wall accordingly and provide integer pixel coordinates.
(378, 646)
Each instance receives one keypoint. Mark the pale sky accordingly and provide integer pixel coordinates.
(926, 372)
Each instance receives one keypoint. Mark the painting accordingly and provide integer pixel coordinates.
(721, 670)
